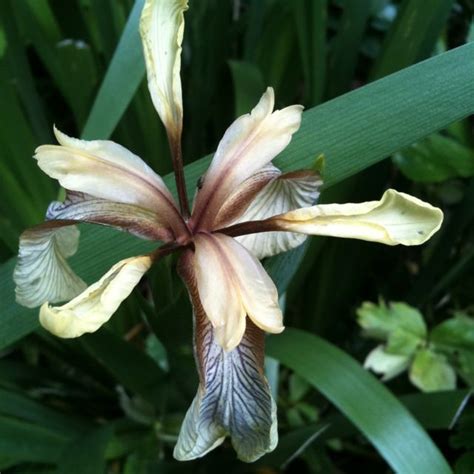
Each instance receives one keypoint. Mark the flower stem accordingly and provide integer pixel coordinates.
(178, 168)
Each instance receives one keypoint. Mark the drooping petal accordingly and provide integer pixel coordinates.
(106, 170)
(88, 311)
(233, 398)
(284, 193)
(161, 29)
(232, 283)
(250, 143)
(131, 218)
(42, 272)
(397, 218)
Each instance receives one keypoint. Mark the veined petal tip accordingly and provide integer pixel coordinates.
(427, 219)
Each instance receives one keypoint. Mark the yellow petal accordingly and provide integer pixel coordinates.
(42, 272)
(161, 29)
(232, 284)
(104, 169)
(397, 218)
(95, 306)
(250, 143)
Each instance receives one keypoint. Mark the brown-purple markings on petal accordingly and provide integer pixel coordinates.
(240, 200)
(185, 270)
(252, 227)
(203, 209)
(233, 398)
(237, 203)
(160, 199)
(166, 250)
(178, 168)
(80, 207)
(211, 196)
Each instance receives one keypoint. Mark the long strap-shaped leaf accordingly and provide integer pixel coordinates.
(366, 402)
(353, 131)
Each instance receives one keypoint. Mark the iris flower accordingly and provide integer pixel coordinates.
(245, 209)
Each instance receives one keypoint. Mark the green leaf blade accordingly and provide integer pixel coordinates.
(366, 402)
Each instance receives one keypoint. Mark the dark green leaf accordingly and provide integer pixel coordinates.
(412, 36)
(118, 88)
(85, 455)
(122, 360)
(365, 401)
(248, 86)
(436, 159)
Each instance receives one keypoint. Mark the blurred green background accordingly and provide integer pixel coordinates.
(113, 401)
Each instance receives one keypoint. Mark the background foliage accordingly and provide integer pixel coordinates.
(113, 401)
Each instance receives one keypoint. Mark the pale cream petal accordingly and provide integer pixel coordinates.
(42, 272)
(106, 170)
(161, 29)
(397, 218)
(258, 293)
(230, 334)
(250, 143)
(284, 193)
(93, 307)
(232, 284)
(218, 291)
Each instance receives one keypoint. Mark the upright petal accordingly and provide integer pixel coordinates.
(250, 143)
(106, 170)
(42, 272)
(283, 193)
(233, 397)
(95, 305)
(232, 283)
(161, 29)
(397, 218)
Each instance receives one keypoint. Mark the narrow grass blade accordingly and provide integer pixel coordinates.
(123, 77)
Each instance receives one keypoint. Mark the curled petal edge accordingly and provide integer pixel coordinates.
(397, 218)
(42, 272)
(91, 309)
